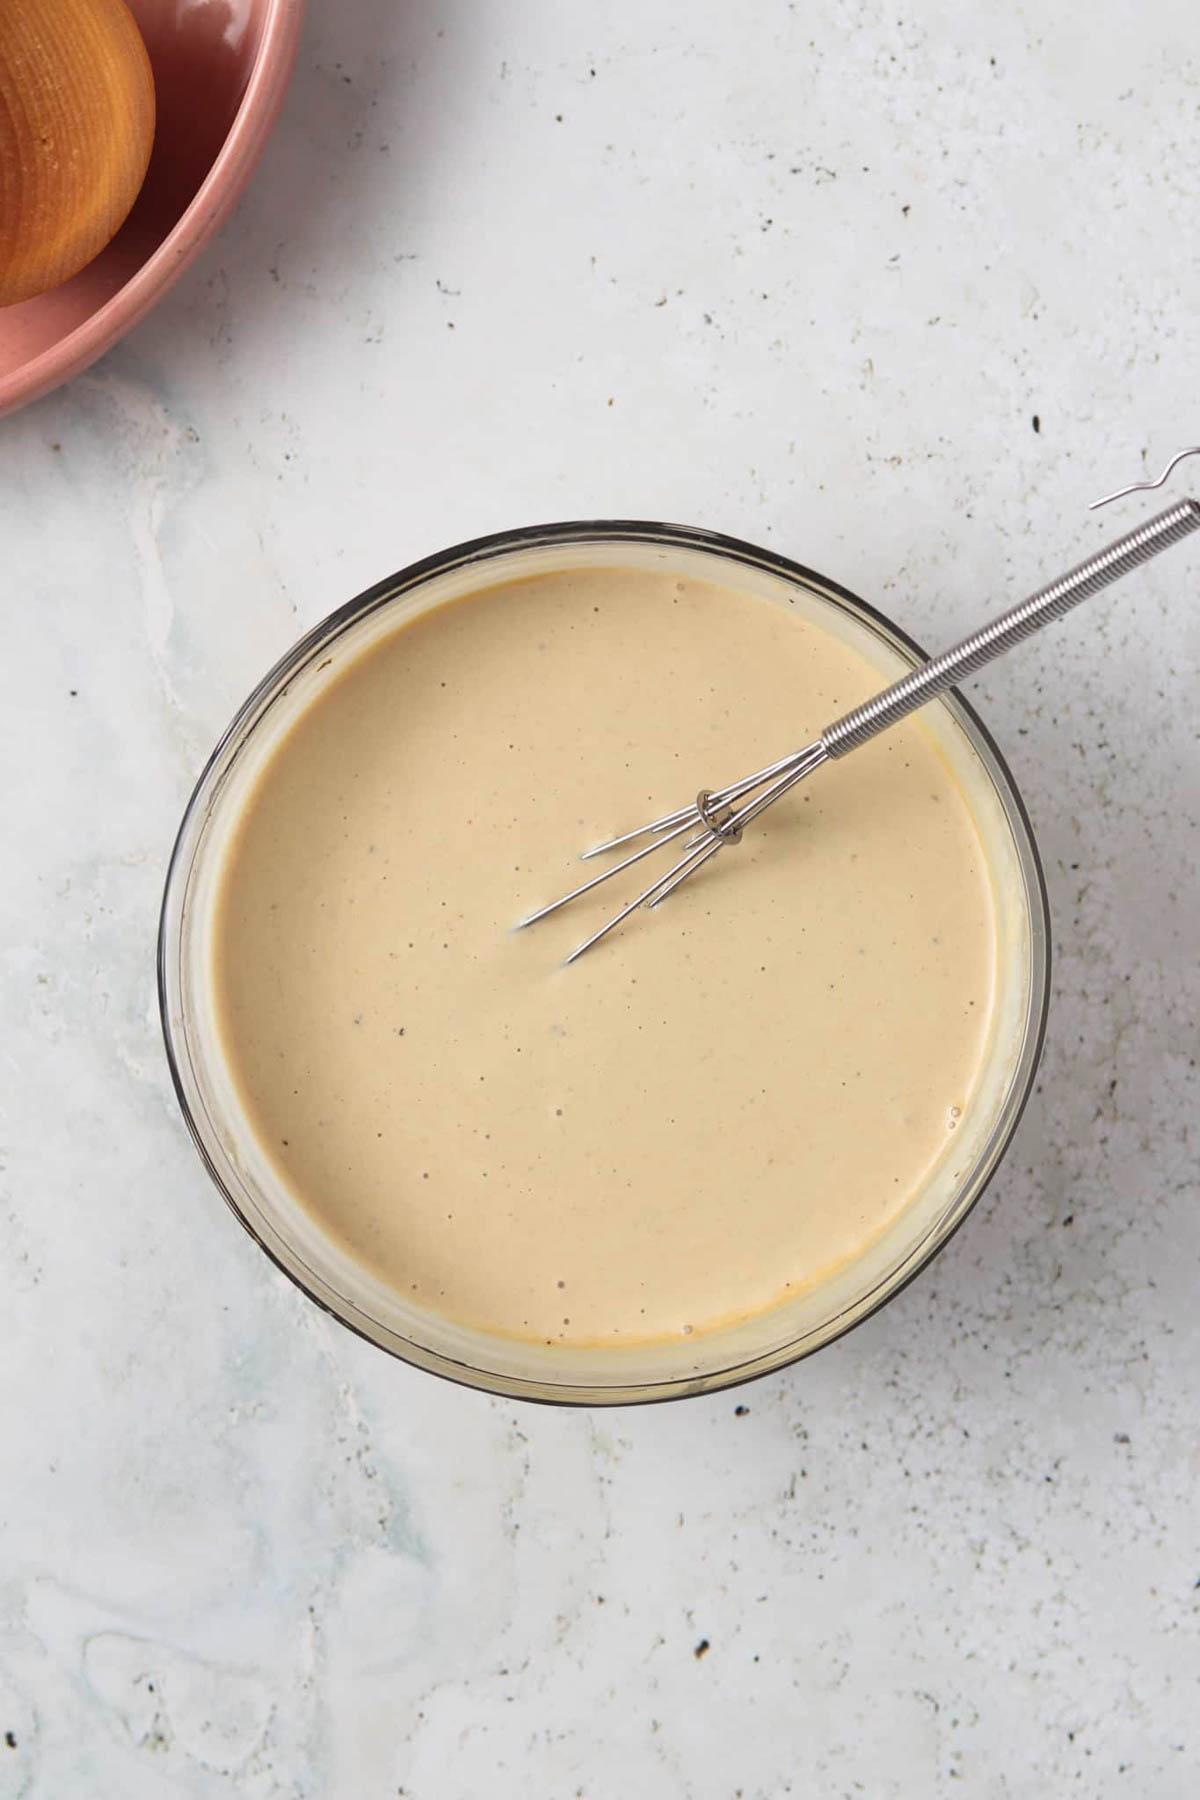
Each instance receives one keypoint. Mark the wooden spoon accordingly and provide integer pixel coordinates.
(76, 130)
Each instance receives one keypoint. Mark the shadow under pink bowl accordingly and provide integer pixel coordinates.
(221, 69)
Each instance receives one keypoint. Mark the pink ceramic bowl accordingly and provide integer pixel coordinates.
(221, 68)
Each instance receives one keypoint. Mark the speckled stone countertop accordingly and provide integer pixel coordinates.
(896, 290)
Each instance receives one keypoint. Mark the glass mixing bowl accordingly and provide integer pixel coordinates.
(291, 1236)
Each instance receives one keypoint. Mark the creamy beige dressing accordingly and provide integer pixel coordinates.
(716, 1108)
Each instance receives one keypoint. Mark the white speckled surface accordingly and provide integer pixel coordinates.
(806, 274)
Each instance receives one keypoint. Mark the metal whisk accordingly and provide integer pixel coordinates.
(717, 818)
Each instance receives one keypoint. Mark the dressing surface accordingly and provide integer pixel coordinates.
(718, 1106)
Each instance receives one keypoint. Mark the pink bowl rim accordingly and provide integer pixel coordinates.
(204, 216)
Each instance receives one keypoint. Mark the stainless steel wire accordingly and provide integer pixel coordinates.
(1145, 487)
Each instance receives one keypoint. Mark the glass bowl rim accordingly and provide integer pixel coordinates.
(482, 550)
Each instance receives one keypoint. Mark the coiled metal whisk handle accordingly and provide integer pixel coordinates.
(953, 666)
